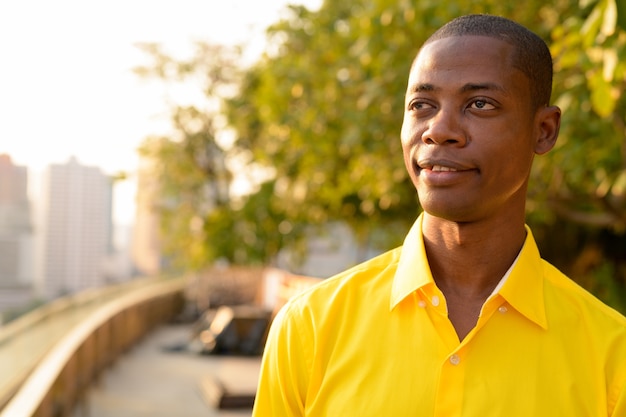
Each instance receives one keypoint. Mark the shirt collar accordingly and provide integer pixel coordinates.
(522, 288)
(413, 271)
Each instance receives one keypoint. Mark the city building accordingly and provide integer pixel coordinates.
(76, 229)
(146, 240)
(16, 236)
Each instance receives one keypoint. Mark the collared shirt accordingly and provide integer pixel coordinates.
(376, 341)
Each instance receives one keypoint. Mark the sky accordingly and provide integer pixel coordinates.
(66, 82)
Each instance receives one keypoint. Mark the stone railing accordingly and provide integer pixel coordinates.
(106, 322)
(57, 385)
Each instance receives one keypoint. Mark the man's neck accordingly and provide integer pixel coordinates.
(468, 260)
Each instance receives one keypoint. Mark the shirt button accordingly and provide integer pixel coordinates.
(502, 309)
(435, 300)
(455, 359)
(421, 303)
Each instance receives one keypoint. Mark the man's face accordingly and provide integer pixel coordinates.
(469, 131)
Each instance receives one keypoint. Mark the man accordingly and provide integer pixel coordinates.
(465, 319)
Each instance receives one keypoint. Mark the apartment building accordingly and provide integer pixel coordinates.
(16, 236)
(76, 229)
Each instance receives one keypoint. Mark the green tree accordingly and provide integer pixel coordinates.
(582, 193)
(189, 166)
(587, 172)
(203, 218)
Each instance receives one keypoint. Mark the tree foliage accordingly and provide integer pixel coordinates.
(582, 193)
(316, 123)
(203, 217)
(587, 181)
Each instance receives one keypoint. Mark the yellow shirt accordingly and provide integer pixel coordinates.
(376, 341)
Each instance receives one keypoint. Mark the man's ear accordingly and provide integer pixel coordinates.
(548, 125)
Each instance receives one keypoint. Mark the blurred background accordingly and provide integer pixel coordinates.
(159, 138)
(73, 112)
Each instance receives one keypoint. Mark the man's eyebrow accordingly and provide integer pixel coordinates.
(482, 86)
(418, 88)
(422, 87)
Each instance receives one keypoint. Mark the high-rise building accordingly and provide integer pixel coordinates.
(76, 228)
(146, 242)
(16, 236)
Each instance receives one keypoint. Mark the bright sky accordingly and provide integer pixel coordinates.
(66, 81)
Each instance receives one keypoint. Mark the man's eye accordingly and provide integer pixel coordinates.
(419, 105)
(482, 105)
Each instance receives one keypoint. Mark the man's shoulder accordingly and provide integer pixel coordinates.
(376, 273)
(569, 296)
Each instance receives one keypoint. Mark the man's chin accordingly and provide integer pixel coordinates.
(450, 213)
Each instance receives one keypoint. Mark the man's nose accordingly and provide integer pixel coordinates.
(445, 127)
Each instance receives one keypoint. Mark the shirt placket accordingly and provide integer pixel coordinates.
(449, 397)
(451, 381)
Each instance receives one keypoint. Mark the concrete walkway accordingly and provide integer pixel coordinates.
(150, 381)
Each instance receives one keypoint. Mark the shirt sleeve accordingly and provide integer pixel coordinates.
(617, 388)
(283, 378)
(620, 406)
(617, 401)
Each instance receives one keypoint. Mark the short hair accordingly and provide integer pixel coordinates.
(531, 54)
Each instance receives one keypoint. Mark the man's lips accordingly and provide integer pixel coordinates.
(440, 165)
(442, 172)
(441, 168)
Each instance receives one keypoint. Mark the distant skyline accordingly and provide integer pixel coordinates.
(66, 83)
